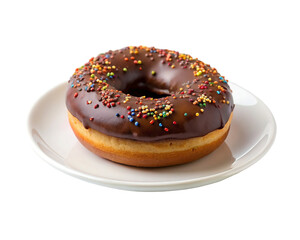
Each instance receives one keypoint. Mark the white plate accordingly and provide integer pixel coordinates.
(252, 133)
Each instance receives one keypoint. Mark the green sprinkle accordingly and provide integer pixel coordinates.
(124, 69)
(185, 114)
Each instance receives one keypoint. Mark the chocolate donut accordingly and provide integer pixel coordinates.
(149, 107)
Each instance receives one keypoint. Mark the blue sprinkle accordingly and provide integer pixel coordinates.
(160, 124)
(92, 85)
(72, 85)
(129, 116)
(132, 114)
(136, 124)
(117, 114)
(85, 88)
(81, 76)
(218, 92)
(224, 81)
(107, 55)
(221, 78)
(132, 110)
(131, 120)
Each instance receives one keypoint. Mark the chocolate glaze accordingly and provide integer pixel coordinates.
(178, 78)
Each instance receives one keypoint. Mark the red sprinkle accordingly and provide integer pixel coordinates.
(91, 118)
(122, 116)
(152, 121)
(166, 129)
(174, 122)
(75, 95)
(96, 106)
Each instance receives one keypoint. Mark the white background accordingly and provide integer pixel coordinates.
(253, 43)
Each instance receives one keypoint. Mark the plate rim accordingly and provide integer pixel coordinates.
(152, 186)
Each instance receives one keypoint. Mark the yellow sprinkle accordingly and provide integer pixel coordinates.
(197, 114)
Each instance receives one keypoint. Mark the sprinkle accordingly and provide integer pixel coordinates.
(153, 73)
(151, 122)
(197, 114)
(124, 69)
(185, 114)
(91, 119)
(96, 106)
(117, 114)
(174, 122)
(136, 124)
(122, 116)
(160, 124)
(166, 129)
(75, 95)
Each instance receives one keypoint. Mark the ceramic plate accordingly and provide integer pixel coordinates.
(252, 133)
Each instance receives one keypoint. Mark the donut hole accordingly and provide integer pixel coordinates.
(142, 88)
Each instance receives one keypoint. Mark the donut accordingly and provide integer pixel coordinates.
(148, 107)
